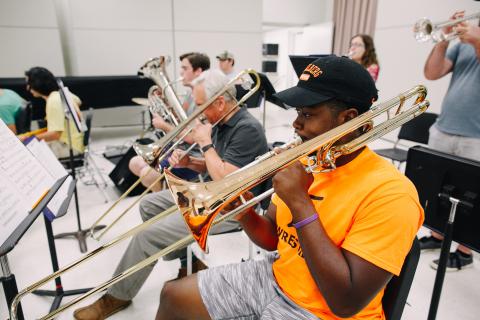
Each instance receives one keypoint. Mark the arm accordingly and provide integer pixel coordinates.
(12, 127)
(437, 64)
(261, 229)
(347, 281)
(49, 135)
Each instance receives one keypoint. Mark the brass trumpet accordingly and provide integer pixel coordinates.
(425, 30)
(199, 196)
(155, 152)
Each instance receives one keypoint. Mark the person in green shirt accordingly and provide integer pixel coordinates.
(10, 105)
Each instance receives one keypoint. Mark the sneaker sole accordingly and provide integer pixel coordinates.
(434, 266)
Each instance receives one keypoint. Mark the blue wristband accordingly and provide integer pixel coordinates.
(305, 221)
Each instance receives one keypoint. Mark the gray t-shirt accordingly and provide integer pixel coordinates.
(240, 140)
(460, 108)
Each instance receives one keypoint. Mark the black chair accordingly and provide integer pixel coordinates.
(396, 292)
(415, 130)
(23, 118)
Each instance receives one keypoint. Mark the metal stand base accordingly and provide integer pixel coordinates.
(80, 235)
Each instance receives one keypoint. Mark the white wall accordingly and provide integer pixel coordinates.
(117, 37)
(401, 57)
(296, 12)
(314, 39)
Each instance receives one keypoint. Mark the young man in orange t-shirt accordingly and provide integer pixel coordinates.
(340, 235)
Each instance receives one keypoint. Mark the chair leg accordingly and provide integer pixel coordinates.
(89, 160)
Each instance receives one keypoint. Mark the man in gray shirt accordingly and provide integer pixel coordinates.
(457, 130)
(234, 143)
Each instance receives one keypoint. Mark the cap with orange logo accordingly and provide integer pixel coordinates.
(332, 77)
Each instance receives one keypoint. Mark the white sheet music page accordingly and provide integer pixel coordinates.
(31, 179)
(42, 152)
(12, 209)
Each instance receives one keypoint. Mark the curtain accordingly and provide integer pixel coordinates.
(351, 17)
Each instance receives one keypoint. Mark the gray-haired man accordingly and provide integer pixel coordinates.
(235, 142)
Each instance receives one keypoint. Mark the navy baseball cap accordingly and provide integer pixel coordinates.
(332, 77)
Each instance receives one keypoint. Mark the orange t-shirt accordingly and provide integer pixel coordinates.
(368, 208)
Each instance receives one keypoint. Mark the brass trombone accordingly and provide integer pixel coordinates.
(155, 152)
(425, 30)
(226, 190)
(199, 203)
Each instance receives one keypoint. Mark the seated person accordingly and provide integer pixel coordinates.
(340, 235)
(234, 143)
(42, 84)
(192, 65)
(226, 62)
(10, 104)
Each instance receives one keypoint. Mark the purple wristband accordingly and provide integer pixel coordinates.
(305, 221)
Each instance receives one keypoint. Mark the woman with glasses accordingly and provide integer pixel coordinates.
(362, 50)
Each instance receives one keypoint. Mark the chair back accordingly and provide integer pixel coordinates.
(417, 129)
(88, 124)
(396, 292)
(23, 118)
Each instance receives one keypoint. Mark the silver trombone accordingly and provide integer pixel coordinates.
(156, 152)
(425, 30)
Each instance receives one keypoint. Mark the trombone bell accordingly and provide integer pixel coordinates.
(197, 204)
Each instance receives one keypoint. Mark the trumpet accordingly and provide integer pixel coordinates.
(163, 100)
(155, 152)
(425, 30)
(197, 195)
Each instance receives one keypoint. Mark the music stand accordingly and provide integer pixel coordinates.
(7, 277)
(449, 190)
(266, 92)
(70, 112)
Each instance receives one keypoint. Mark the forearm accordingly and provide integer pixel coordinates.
(435, 66)
(48, 135)
(260, 229)
(216, 167)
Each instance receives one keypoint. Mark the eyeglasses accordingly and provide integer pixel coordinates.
(357, 45)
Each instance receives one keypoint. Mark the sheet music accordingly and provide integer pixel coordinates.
(12, 209)
(42, 152)
(19, 165)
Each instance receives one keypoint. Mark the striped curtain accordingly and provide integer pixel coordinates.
(351, 17)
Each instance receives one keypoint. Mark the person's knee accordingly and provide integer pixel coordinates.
(169, 297)
(136, 164)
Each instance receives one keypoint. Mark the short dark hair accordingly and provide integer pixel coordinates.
(197, 60)
(41, 80)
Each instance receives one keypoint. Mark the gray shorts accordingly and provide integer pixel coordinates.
(465, 147)
(247, 290)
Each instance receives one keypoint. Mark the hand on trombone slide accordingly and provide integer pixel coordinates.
(247, 195)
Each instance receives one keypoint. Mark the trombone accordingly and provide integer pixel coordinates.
(168, 102)
(327, 151)
(154, 153)
(425, 30)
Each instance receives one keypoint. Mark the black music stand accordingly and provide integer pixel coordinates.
(70, 112)
(8, 278)
(58, 293)
(449, 190)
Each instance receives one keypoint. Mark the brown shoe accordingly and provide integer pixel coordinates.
(101, 309)
(196, 266)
